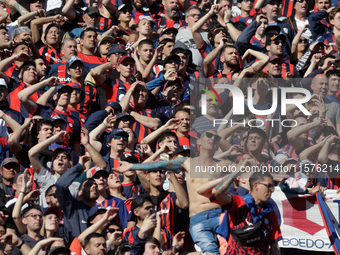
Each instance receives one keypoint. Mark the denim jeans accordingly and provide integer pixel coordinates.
(203, 230)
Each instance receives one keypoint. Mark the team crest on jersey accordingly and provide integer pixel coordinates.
(285, 30)
(177, 26)
(266, 221)
(82, 120)
(249, 21)
(165, 200)
(192, 144)
(148, 111)
(70, 124)
(102, 24)
(87, 93)
(102, 60)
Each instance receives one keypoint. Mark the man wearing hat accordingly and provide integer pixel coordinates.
(140, 211)
(88, 41)
(9, 168)
(75, 69)
(168, 32)
(68, 49)
(271, 9)
(124, 120)
(105, 200)
(91, 16)
(115, 89)
(117, 142)
(114, 54)
(274, 68)
(61, 97)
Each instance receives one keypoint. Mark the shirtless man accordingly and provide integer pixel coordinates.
(204, 215)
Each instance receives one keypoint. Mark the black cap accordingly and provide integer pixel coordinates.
(58, 250)
(172, 57)
(114, 105)
(125, 115)
(270, 28)
(57, 118)
(269, 1)
(137, 202)
(116, 48)
(92, 10)
(128, 157)
(181, 149)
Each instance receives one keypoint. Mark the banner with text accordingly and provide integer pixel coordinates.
(300, 220)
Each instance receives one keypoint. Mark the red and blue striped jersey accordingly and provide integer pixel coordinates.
(78, 115)
(91, 61)
(5, 54)
(130, 234)
(328, 38)
(111, 202)
(287, 8)
(163, 22)
(104, 24)
(115, 90)
(132, 189)
(51, 55)
(243, 20)
(58, 70)
(238, 216)
(12, 71)
(14, 102)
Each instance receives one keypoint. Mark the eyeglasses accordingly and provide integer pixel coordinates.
(251, 1)
(118, 137)
(195, 15)
(53, 195)
(216, 137)
(35, 216)
(277, 42)
(269, 186)
(75, 66)
(126, 11)
(303, 41)
(270, 35)
(301, 1)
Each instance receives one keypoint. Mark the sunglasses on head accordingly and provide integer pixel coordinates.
(125, 138)
(216, 137)
(277, 42)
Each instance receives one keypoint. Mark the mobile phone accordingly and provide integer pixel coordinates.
(152, 211)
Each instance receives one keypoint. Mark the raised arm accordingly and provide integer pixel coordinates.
(15, 137)
(325, 149)
(35, 150)
(22, 56)
(97, 73)
(108, 122)
(23, 20)
(209, 68)
(170, 125)
(309, 152)
(295, 42)
(233, 31)
(24, 95)
(95, 155)
(182, 197)
(36, 23)
(11, 122)
(148, 69)
(66, 11)
(198, 39)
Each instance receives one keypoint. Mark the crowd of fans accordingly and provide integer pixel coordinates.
(102, 123)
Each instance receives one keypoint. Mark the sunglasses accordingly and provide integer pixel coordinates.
(270, 35)
(277, 42)
(112, 230)
(178, 171)
(269, 186)
(126, 11)
(125, 138)
(169, 33)
(301, 1)
(53, 195)
(303, 41)
(216, 137)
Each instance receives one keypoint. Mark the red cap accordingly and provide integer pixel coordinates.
(124, 58)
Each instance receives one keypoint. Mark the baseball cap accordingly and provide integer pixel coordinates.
(118, 131)
(55, 210)
(153, 23)
(128, 157)
(8, 161)
(181, 149)
(62, 87)
(166, 29)
(71, 60)
(116, 48)
(114, 105)
(275, 57)
(123, 6)
(57, 118)
(98, 170)
(124, 58)
(125, 115)
(137, 202)
(77, 86)
(269, 1)
(76, 32)
(271, 28)
(172, 57)
(3, 83)
(92, 10)
(107, 37)
(58, 250)
(169, 83)
(94, 211)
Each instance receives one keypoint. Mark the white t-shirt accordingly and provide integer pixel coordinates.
(300, 24)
